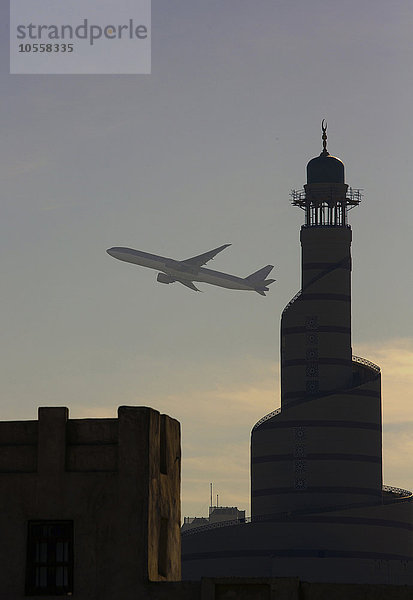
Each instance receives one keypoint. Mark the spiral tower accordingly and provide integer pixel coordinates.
(319, 510)
(324, 447)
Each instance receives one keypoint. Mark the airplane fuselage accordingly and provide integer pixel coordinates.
(179, 270)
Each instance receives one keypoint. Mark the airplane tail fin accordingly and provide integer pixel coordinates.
(258, 282)
(259, 275)
(262, 288)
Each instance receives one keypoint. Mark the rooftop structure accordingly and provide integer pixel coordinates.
(217, 514)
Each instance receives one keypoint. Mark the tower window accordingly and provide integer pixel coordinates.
(312, 354)
(312, 339)
(299, 451)
(311, 386)
(311, 370)
(49, 569)
(300, 483)
(299, 433)
(300, 466)
(311, 322)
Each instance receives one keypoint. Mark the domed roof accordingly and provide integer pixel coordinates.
(325, 168)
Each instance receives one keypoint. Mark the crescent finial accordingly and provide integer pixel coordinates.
(324, 136)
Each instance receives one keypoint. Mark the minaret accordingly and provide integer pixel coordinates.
(317, 356)
(323, 447)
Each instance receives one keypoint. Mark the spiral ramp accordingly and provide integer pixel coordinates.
(319, 510)
(335, 521)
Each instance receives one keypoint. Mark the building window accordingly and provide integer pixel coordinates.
(49, 558)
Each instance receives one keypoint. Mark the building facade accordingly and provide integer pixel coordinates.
(319, 510)
(89, 507)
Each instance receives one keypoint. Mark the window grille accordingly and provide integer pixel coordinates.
(49, 558)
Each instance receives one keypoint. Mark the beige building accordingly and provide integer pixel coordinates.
(89, 507)
(319, 509)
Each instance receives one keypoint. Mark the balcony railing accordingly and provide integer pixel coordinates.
(266, 418)
(397, 491)
(366, 363)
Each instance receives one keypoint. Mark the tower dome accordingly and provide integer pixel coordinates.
(325, 168)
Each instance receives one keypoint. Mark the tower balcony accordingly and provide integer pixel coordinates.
(326, 204)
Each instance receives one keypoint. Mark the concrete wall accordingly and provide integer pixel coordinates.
(106, 476)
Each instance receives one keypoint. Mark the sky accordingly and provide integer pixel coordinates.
(204, 151)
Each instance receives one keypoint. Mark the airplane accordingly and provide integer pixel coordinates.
(190, 270)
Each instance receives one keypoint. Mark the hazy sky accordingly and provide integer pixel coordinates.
(203, 152)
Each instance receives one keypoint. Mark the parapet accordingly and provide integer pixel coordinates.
(54, 443)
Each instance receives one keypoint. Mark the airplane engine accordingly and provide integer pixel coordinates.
(163, 278)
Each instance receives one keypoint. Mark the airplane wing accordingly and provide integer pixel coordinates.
(202, 259)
